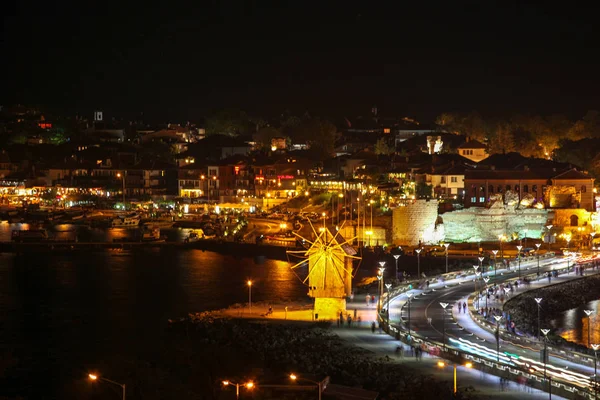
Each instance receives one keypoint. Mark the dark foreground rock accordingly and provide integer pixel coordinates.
(220, 348)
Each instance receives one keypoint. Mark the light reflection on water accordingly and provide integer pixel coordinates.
(573, 324)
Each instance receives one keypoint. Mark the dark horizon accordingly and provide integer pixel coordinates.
(335, 60)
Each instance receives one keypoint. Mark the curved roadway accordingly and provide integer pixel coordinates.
(427, 315)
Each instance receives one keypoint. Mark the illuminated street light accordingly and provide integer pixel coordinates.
(248, 385)
(589, 314)
(486, 279)
(538, 300)
(549, 227)
(319, 384)
(418, 263)
(545, 332)
(444, 305)
(446, 245)
(442, 364)
(498, 318)
(519, 247)
(249, 283)
(409, 295)
(396, 257)
(388, 286)
(537, 252)
(495, 252)
(94, 377)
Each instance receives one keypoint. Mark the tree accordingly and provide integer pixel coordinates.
(264, 135)
(501, 140)
(230, 123)
(320, 135)
(383, 148)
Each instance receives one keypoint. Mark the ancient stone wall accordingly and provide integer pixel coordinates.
(486, 224)
(415, 223)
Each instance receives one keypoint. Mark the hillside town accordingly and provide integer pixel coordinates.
(383, 169)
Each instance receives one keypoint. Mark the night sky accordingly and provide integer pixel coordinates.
(338, 59)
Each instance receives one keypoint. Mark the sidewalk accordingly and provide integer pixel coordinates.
(487, 385)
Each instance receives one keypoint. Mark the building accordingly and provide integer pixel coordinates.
(552, 188)
(473, 150)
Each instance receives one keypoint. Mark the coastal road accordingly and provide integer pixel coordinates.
(427, 316)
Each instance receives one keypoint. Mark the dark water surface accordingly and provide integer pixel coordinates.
(62, 315)
(573, 324)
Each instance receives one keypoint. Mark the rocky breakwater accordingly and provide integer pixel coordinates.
(557, 299)
(267, 350)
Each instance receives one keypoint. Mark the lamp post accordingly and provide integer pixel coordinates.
(371, 204)
(481, 263)
(409, 295)
(589, 314)
(249, 283)
(486, 279)
(418, 263)
(495, 252)
(446, 245)
(545, 332)
(122, 176)
(444, 305)
(396, 257)
(549, 227)
(380, 278)
(595, 347)
(498, 318)
(538, 300)
(537, 252)
(501, 239)
(319, 384)
(94, 377)
(442, 364)
(247, 385)
(519, 247)
(388, 286)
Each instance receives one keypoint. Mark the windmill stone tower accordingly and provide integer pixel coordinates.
(330, 272)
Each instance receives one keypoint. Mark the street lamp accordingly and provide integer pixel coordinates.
(119, 175)
(595, 347)
(481, 263)
(538, 300)
(248, 385)
(545, 332)
(498, 318)
(501, 239)
(396, 257)
(446, 245)
(519, 247)
(444, 305)
(409, 295)
(495, 252)
(388, 286)
(319, 384)
(380, 278)
(589, 314)
(94, 377)
(249, 283)
(486, 279)
(418, 263)
(442, 364)
(537, 252)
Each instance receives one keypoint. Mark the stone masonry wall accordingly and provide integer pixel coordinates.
(415, 222)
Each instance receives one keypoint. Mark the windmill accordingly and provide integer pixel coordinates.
(330, 272)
